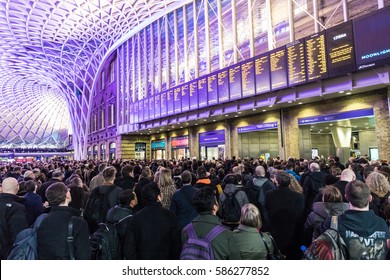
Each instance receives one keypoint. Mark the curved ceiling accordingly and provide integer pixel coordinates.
(51, 49)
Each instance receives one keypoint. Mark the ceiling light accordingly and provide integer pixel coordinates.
(341, 91)
(226, 115)
(236, 116)
(264, 110)
(213, 120)
(300, 103)
(239, 113)
(204, 120)
(348, 93)
(254, 109)
(289, 101)
(331, 124)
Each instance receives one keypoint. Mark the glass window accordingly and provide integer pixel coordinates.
(102, 119)
(112, 71)
(102, 80)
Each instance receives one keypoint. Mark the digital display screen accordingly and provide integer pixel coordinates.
(262, 74)
(248, 78)
(316, 57)
(131, 113)
(296, 63)
(140, 110)
(146, 109)
(135, 112)
(163, 98)
(212, 89)
(193, 89)
(185, 98)
(235, 82)
(223, 86)
(278, 68)
(340, 49)
(177, 99)
(151, 107)
(202, 92)
(157, 106)
(170, 106)
(372, 39)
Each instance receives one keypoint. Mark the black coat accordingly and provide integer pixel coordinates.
(53, 231)
(285, 209)
(314, 181)
(13, 219)
(42, 189)
(155, 234)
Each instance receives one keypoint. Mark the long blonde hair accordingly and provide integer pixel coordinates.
(378, 183)
(165, 178)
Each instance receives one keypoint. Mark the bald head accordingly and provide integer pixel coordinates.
(10, 185)
(260, 171)
(315, 167)
(347, 175)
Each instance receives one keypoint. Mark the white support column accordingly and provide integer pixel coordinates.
(139, 82)
(251, 32)
(185, 42)
(176, 38)
(196, 47)
(134, 82)
(381, 4)
(220, 35)
(159, 56)
(290, 6)
(167, 69)
(315, 14)
(152, 60)
(271, 36)
(145, 62)
(345, 10)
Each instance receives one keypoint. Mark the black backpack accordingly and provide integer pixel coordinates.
(97, 207)
(105, 243)
(231, 209)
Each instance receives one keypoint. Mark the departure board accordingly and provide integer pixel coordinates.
(193, 90)
(296, 63)
(140, 110)
(372, 39)
(212, 89)
(146, 109)
(223, 86)
(170, 105)
(235, 82)
(248, 78)
(177, 99)
(157, 106)
(316, 57)
(131, 113)
(185, 98)
(151, 107)
(163, 98)
(135, 112)
(262, 74)
(340, 49)
(278, 68)
(202, 92)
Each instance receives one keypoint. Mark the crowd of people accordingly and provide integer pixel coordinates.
(163, 203)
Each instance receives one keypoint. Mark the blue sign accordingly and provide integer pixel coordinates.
(338, 116)
(159, 145)
(213, 137)
(257, 127)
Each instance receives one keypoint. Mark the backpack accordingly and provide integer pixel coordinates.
(97, 207)
(25, 246)
(105, 243)
(196, 248)
(231, 209)
(328, 246)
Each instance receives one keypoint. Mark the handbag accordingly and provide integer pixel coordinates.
(276, 254)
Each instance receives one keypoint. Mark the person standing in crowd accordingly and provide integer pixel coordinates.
(314, 181)
(181, 203)
(57, 176)
(205, 202)
(366, 235)
(285, 209)
(249, 242)
(53, 232)
(13, 217)
(126, 181)
(98, 179)
(154, 231)
(32, 202)
(167, 186)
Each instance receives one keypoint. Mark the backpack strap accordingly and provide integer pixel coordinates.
(124, 218)
(217, 230)
(70, 238)
(334, 222)
(265, 243)
(340, 241)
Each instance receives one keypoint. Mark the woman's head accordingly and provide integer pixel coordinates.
(250, 216)
(331, 194)
(378, 183)
(165, 178)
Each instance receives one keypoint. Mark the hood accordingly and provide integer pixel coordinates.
(317, 176)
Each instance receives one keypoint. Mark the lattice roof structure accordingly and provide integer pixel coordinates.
(48, 51)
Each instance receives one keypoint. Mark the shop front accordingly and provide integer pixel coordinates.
(212, 145)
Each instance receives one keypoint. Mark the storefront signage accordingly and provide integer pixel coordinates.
(181, 141)
(257, 127)
(337, 117)
(158, 145)
(212, 137)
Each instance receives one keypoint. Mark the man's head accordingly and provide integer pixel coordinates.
(315, 167)
(201, 171)
(58, 194)
(58, 175)
(186, 177)
(127, 170)
(347, 175)
(151, 193)
(204, 201)
(282, 178)
(358, 194)
(30, 186)
(128, 198)
(109, 174)
(260, 171)
(101, 167)
(28, 175)
(10, 185)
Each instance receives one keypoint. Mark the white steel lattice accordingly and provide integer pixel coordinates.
(51, 49)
